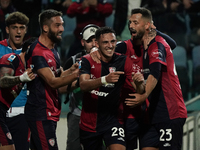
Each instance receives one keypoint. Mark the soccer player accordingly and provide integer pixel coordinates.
(167, 111)
(133, 48)
(13, 76)
(101, 83)
(16, 28)
(74, 95)
(43, 105)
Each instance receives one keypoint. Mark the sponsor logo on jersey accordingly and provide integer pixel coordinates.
(109, 85)
(11, 58)
(134, 57)
(167, 145)
(93, 66)
(52, 142)
(156, 54)
(99, 93)
(49, 61)
(9, 136)
(121, 139)
(136, 68)
(49, 113)
(92, 76)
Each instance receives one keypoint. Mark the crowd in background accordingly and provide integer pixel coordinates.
(179, 19)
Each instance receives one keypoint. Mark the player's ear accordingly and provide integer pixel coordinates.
(82, 42)
(147, 25)
(7, 30)
(97, 44)
(45, 28)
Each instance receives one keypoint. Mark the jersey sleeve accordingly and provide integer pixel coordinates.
(84, 66)
(39, 62)
(157, 53)
(168, 39)
(9, 61)
(121, 47)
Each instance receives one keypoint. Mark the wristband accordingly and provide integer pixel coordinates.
(24, 77)
(103, 80)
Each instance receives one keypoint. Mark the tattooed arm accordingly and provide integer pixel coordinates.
(7, 79)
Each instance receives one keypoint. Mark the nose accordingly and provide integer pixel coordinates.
(18, 30)
(62, 28)
(110, 44)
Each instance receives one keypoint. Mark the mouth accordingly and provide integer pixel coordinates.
(59, 35)
(132, 31)
(17, 37)
(109, 50)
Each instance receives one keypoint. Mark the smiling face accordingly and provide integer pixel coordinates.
(55, 29)
(106, 44)
(16, 34)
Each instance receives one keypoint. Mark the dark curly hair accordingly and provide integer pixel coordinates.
(17, 17)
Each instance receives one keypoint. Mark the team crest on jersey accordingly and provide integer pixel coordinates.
(52, 142)
(112, 69)
(11, 58)
(9, 136)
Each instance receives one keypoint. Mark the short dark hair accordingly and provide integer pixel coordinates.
(17, 17)
(46, 15)
(145, 12)
(103, 30)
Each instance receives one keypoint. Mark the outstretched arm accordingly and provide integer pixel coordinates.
(87, 84)
(8, 80)
(55, 82)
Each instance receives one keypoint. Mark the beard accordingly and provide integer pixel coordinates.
(139, 34)
(52, 36)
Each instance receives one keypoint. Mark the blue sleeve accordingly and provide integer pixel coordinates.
(4, 50)
(169, 40)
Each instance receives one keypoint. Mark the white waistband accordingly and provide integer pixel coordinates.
(14, 111)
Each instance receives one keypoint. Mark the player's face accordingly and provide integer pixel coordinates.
(4, 3)
(106, 45)
(89, 44)
(137, 26)
(16, 34)
(56, 29)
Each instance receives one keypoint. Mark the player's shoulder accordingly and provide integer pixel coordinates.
(87, 56)
(8, 58)
(4, 43)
